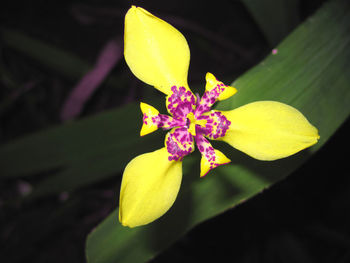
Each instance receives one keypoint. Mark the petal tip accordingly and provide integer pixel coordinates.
(148, 125)
(206, 167)
(125, 223)
(225, 91)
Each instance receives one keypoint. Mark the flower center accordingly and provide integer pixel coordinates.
(192, 122)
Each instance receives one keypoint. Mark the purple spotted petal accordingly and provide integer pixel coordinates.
(179, 143)
(162, 121)
(181, 102)
(205, 148)
(208, 99)
(167, 122)
(216, 126)
(209, 154)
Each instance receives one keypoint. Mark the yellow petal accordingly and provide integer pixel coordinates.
(149, 188)
(156, 52)
(269, 130)
(148, 125)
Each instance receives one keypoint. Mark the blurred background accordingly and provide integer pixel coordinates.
(62, 60)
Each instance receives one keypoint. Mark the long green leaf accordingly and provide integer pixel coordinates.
(50, 56)
(78, 153)
(310, 72)
(62, 61)
(276, 18)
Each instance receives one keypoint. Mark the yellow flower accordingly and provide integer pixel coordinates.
(159, 55)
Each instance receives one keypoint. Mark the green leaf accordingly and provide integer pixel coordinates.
(56, 59)
(78, 153)
(50, 56)
(276, 18)
(310, 72)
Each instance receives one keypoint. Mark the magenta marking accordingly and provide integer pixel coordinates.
(180, 141)
(179, 144)
(181, 102)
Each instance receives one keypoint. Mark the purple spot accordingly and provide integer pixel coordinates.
(181, 102)
(218, 123)
(179, 143)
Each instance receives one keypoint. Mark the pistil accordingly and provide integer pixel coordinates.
(192, 122)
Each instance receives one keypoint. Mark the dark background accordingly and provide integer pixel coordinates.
(301, 219)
